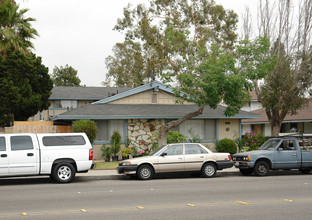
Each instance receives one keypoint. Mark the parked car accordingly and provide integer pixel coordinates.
(181, 157)
(286, 152)
(58, 155)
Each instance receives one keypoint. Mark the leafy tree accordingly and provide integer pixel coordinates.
(160, 36)
(65, 76)
(285, 87)
(16, 31)
(25, 86)
(87, 126)
(184, 42)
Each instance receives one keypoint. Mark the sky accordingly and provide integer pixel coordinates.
(79, 32)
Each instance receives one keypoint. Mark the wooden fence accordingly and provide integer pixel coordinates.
(38, 127)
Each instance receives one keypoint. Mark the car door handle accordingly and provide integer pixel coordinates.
(30, 154)
(180, 158)
(202, 157)
(4, 155)
(294, 154)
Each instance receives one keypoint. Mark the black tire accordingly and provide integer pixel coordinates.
(209, 170)
(145, 172)
(261, 168)
(63, 173)
(305, 170)
(246, 172)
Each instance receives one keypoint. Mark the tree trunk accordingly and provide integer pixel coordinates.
(275, 128)
(164, 130)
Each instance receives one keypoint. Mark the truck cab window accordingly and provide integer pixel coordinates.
(21, 143)
(2, 144)
(287, 145)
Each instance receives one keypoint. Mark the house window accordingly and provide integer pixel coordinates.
(106, 129)
(198, 129)
(68, 104)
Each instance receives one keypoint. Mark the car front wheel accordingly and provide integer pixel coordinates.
(209, 170)
(261, 168)
(145, 172)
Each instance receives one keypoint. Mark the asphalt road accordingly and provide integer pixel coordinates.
(278, 196)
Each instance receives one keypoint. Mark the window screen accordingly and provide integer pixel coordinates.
(21, 143)
(63, 140)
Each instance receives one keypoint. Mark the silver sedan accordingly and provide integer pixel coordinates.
(181, 157)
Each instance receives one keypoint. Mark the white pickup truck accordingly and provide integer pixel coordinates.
(60, 155)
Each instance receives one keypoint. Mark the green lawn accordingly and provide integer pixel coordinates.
(106, 165)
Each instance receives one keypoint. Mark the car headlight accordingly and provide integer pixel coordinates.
(246, 158)
(126, 163)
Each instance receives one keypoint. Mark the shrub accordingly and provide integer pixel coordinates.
(87, 126)
(115, 142)
(252, 140)
(106, 152)
(226, 145)
(126, 151)
(176, 137)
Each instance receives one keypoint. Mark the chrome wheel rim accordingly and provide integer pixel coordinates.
(209, 170)
(64, 173)
(145, 172)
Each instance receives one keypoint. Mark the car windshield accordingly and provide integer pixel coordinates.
(270, 144)
(157, 152)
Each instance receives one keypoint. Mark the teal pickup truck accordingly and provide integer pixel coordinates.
(285, 152)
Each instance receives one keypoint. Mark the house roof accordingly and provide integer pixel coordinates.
(303, 115)
(155, 85)
(85, 93)
(146, 111)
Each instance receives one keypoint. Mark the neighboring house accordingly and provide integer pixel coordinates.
(302, 122)
(137, 114)
(65, 98)
(254, 104)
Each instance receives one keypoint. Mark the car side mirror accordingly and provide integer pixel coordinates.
(280, 149)
(163, 154)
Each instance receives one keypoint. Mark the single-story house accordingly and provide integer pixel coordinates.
(301, 122)
(138, 113)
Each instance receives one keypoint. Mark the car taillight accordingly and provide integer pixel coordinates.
(230, 158)
(91, 154)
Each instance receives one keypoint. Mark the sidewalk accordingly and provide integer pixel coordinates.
(113, 173)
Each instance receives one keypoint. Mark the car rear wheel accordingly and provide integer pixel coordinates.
(145, 172)
(63, 173)
(209, 170)
(261, 168)
(305, 170)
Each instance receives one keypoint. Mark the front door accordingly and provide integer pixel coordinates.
(23, 157)
(172, 159)
(286, 156)
(4, 162)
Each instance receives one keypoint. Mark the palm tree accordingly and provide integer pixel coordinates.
(16, 31)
